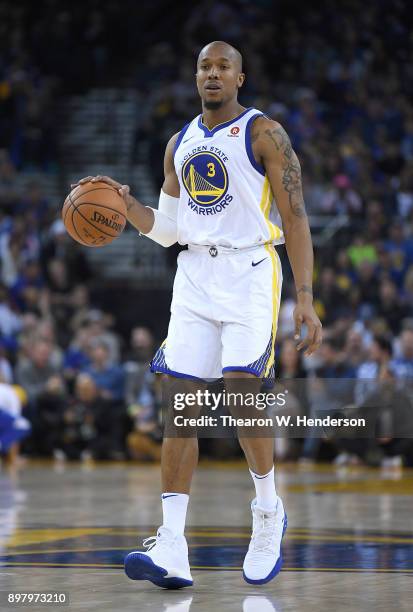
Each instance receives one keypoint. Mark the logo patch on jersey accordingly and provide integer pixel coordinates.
(205, 178)
(234, 131)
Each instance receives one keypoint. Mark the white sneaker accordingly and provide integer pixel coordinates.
(263, 560)
(165, 562)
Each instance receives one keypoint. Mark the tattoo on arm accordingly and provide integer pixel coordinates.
(291, 177)
(305, 289)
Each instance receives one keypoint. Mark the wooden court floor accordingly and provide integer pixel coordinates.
(349, 545)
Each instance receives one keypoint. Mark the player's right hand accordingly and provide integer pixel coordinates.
(124, 190)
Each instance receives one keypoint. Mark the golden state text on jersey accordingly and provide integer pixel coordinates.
(225, 196)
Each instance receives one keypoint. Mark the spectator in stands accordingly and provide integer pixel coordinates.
(60, 294)
(99, 325)
(76, 357)
(58, 245)
(367, 288)
(354, 350)
(48, 419)
(26, 291)
(12, 257)
(10, 321)
(80, 301)
(380, 354)
(74, 422)
(399, 246)
(361, 252)
(109, 378)
(342, 198)
(330, 390)
(390, 306)
(136, 363)
(46, 331)
(34, 205)
(95, 427)
(329, 296)
(34, 371)
(402, 366)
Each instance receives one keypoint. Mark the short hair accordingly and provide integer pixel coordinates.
(233, 51)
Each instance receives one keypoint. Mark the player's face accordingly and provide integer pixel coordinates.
(218, 79)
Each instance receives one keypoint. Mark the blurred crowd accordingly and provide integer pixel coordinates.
(339, 80)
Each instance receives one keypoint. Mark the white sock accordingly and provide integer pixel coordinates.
(174, 507)
(265, 490)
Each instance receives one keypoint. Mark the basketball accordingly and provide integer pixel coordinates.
(94, 214)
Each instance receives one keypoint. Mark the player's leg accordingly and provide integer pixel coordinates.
(179, 456)
(248, 339)
(166, 562)
(263, 560)
(178, 462)
(192, 351)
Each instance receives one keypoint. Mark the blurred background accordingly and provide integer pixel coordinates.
(99, 88)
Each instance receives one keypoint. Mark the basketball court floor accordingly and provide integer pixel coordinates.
(349, 545)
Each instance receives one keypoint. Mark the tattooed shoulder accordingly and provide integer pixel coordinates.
(280, 139)
(291, 171)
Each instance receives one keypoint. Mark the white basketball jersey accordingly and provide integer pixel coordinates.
(225, 196)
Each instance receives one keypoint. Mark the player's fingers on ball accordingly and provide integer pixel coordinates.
(124, 190)
(82, 181)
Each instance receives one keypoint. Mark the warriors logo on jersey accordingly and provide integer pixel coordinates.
(205, 179)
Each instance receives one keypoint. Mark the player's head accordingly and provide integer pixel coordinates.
(219, 74)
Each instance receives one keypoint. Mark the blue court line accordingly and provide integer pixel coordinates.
(299, 555)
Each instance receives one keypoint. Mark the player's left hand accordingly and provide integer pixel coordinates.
(123, 190)
(305, 314)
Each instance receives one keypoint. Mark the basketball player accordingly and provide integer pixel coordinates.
(232, 191)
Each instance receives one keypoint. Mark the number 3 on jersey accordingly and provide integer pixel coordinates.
(211, 169)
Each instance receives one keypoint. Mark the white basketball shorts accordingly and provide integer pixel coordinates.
(224, 313)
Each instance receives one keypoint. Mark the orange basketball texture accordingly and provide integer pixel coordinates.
(94, 214)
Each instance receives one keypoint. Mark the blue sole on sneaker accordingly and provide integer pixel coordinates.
(139, 566)
(277, 567)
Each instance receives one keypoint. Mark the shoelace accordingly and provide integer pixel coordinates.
(159, 539)
(263, 534)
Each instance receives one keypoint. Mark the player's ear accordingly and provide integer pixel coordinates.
(240, 80)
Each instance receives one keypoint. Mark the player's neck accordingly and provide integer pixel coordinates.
(212, 118)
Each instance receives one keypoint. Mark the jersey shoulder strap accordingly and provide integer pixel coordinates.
(248, 144)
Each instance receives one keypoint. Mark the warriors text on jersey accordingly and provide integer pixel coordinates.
(225, 196)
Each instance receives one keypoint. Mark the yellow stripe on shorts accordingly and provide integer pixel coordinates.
(275, 232)
(275, 301)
